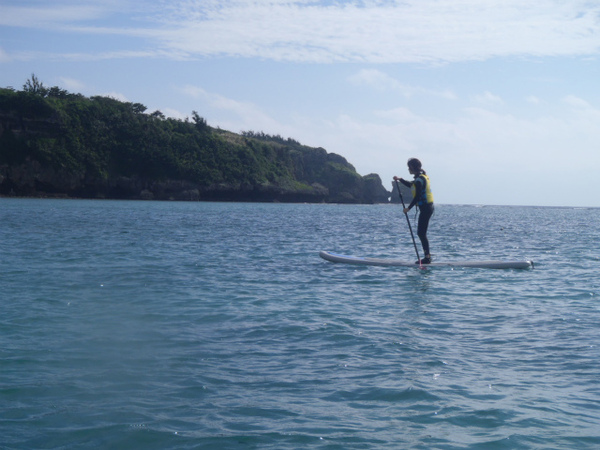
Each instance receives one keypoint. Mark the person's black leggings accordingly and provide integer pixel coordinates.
(425, 213)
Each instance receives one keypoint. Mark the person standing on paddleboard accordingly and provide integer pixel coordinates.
(423, 198)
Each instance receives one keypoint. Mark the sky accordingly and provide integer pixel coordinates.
(499, 99)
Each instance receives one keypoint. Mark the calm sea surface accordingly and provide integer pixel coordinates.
(158, 325)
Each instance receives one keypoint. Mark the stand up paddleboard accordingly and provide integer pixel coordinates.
(365, 261)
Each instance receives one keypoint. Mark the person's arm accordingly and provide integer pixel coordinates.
(403, 181)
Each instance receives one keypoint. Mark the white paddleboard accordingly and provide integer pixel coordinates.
(366, 261)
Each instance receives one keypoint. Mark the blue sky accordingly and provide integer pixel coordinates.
(500, 99)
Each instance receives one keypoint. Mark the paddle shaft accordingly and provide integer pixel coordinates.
(408, 221)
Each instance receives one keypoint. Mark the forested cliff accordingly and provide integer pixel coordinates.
(57, 144)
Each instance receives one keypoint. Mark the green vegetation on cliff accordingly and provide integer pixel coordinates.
(55, 143)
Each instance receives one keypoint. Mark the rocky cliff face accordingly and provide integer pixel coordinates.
(31, 179)
(406, 194)
(374, 189)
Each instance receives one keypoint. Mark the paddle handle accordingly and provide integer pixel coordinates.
(408, 221)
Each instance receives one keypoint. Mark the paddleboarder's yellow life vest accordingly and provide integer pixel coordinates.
(426, 194)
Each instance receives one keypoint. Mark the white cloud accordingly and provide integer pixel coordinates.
(381, 81)
(4, 57)
(487, 98)
(411, 31)
(587, 116)
(397, 115)
(376, 79)
(47, 16)
(415, 31)
(217, 101)
(238, 116)
(576, 102)
(70, 84)
(171, 112)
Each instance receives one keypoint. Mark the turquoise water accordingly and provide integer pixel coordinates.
(157, 325)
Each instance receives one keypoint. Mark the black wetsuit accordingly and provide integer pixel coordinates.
(426, 210)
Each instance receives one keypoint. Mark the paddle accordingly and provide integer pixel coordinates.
(408, 221)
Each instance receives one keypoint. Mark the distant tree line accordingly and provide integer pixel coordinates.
(266, 137)
(98, 141)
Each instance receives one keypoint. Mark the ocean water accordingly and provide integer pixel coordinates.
(159, 325)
